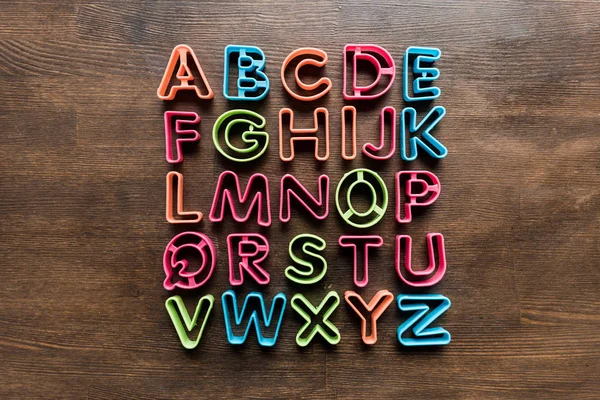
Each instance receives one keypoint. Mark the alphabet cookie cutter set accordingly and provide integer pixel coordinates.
(247, 251)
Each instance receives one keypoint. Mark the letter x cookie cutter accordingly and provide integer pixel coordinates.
(333, 337)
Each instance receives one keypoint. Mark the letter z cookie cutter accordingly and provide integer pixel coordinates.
(424, 335)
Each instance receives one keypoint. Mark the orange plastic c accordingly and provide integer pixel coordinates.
(307, 61)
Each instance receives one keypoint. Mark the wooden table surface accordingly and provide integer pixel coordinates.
(83, 226)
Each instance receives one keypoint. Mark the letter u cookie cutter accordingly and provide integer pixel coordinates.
(369, 241)
(428, 74)
(424, 335)
(378, 304)
(191, 240)
(301, 134)
(306, 51)
(418, 276)
(174, 304)
(250, 261)
(247, 65)
(180, 211)
(433, 189)
(333, 338)
(182, 118)
(362, 52)
(184, 74)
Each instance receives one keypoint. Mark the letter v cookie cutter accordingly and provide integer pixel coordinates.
(174, 303)
(378, 304)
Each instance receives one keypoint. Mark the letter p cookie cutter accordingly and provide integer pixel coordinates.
(430, 188)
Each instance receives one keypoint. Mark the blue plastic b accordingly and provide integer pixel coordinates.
(252, 83)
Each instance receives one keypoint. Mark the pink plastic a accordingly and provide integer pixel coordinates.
(367, 241)
(250, 260)
(290, 186)
(433, 188)
(428, 276)
(364, 52)
(171, 261)
(181, 118)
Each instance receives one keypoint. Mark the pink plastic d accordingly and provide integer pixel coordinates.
(428, 276)
(365, 52)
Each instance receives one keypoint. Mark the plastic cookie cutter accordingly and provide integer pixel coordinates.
(176, 307)
(257, 317)
(349, 110)
(181, 118)
(196, 215)
(378, 206)
(428, 276)
(429, 186)
(367, 241)
(181, 56)
(311, 246)
(252, 83)
(426, 125)
(256, 141)
(313, 61)
(378, 304)
(177, 267)
(372, 151)
(304, 134)
(251, 250)
(367, 52)
(327, 329)
(423, 334)
(317, 207)
(422, 56)
(258, 188)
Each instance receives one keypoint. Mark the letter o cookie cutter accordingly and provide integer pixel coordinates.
(374, 208)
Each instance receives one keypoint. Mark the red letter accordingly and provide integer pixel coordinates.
(415, 177)
(365, 52)
(252, 249)
(290, 186)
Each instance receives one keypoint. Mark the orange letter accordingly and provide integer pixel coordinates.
(306, 51)
(180, 55)
(197, 215)
(304, 134)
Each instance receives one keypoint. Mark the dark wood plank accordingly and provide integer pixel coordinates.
(82, 178)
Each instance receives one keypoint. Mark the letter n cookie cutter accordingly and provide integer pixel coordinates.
(180, 55)
(424, 335)
(181, 118)
(431, 187)
(306, 51)
(171, 262)
(331, 334)
(197, 216)
(378, 304)
(254, 319)
(428, 74)
(302, 134)
(363, 52)
(175, 304)
(250, 259)
(368, 241)
(419, 278)
(247, 67)
(290, 186)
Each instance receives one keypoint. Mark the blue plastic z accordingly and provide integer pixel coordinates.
(423, 56)
(427, 142)
(254, 317)
(424, 335)
(252, 83)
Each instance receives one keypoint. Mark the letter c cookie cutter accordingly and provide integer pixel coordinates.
(306, 51)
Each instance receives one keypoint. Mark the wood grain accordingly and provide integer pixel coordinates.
(82, 178)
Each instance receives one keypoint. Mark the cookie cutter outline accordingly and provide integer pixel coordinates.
(376, 307)
(379, 210)
(253, 319)
(310, 269)
(370, 150)
(304, 131)
(306, 51)
(286, 194)
(250, 132)
(174, 304)
(331, 339)
(227, 198)
(343, 243)
(169, 116)
(421, 329)
(256, 67)
(352, 110)
(358, 49)
(248, 264)
(180, 54)
(438, 273)
(435, 188)
(414, 141)
(428, 74)
(170, 261)
(180, 209)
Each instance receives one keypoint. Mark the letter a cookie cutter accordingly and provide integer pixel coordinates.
(306, 51)
(180, 212)
(424, 335)
(332, 338)
(180, 55)
(174, 304)
(171, 262)
(182, 118)
(378, 304)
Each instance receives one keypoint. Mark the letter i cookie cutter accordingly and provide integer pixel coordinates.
(180, 211)
(378, 304)
(352, 111)
(182, 118)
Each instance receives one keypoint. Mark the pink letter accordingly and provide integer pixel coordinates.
(420, 278)
(430, 189)
(252, 249)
